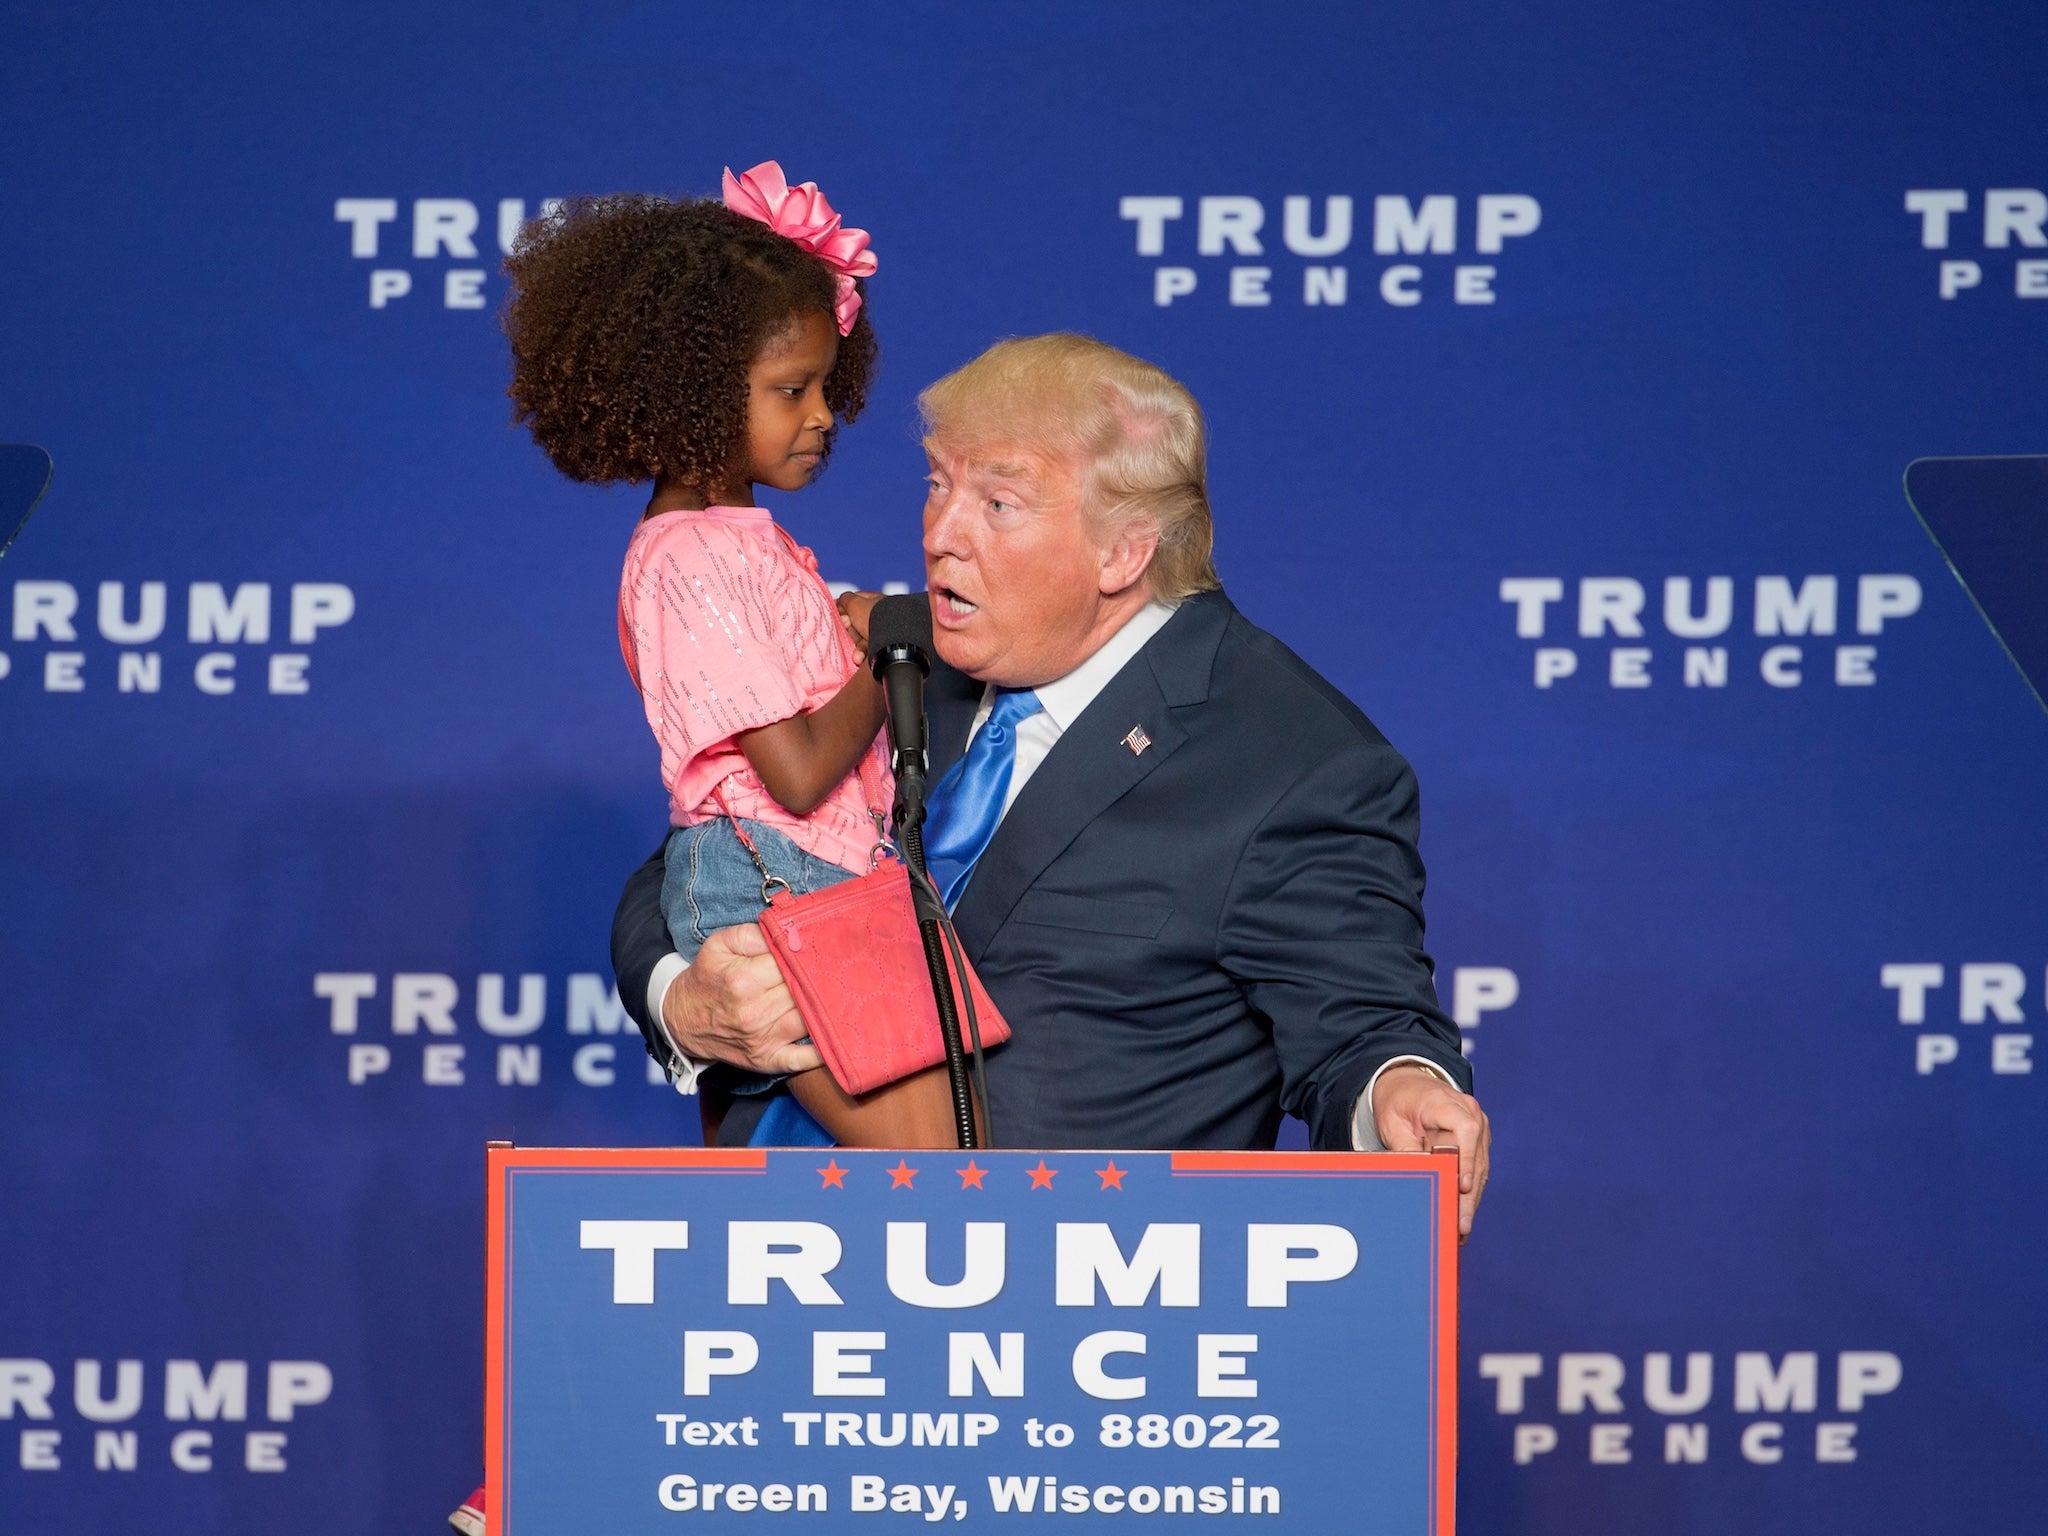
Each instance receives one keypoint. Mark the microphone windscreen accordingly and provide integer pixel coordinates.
(905, 619)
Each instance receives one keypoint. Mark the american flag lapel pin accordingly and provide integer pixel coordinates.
(1137, 741)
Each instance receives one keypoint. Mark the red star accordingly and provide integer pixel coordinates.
(1112, 1177)
(1042, 1176)
(901, 1175)
(834, 1175)
(971, 1176)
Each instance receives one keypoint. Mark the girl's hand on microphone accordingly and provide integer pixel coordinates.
(854, 608)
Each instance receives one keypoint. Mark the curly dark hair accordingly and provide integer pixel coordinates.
(633, 321)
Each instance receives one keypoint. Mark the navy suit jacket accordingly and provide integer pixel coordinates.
(1189, 938)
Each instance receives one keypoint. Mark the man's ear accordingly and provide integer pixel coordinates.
(1126, 558)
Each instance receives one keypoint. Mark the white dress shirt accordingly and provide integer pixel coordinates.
(1062, 702)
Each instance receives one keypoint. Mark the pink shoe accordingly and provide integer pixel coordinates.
(469, 1519)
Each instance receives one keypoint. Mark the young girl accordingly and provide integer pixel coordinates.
(713, 348)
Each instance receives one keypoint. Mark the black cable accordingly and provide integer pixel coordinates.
(930, 917)
(980, 1068)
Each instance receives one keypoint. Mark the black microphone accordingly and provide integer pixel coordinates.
(900, 651)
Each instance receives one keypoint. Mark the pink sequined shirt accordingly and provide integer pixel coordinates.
(726, 627)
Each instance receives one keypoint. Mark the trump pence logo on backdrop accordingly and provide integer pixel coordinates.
(1230, 251)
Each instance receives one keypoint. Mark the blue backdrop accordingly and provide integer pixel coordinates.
(1560, 422)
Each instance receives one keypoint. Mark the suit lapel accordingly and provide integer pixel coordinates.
(1092, 766)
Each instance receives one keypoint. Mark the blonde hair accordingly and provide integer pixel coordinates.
(1136, 427)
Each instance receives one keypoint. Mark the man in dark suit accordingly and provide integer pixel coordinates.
(1181, 861)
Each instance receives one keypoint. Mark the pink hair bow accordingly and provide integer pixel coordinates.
(801, 214)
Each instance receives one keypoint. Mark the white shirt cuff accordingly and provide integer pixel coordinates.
(684, 1070)
(1365, 1131)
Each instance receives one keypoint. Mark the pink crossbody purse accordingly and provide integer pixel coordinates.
(855, 966)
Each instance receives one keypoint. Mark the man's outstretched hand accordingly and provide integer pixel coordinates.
(1415, 1111)
(732, 1005)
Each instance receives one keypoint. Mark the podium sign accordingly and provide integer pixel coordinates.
(701, 1339)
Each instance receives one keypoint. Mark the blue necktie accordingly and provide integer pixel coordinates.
(963, 808)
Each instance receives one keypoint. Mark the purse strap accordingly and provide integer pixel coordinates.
(871, 793)
(769, 880)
